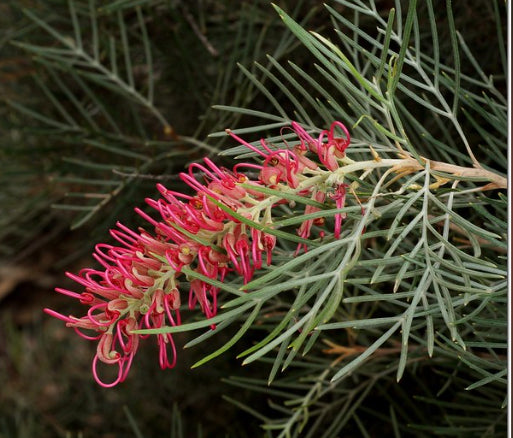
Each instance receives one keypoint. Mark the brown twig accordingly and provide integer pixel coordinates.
(496, 181)
(190, 19)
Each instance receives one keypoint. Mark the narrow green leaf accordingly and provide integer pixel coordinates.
(118, 150)
(405, 42)
(147, 53)
(360, 323)
(76, 25)
(126, 50)
(386, 45)
(213, 282)
(245, 327)
(456, 56)
(199, 324)
(356, 74)
(94, 30)
(212, 332)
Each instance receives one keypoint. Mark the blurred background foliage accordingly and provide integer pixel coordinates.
(99, 100)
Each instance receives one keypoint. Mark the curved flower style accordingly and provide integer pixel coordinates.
(139, 285)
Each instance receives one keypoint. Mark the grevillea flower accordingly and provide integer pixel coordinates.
(142, 277)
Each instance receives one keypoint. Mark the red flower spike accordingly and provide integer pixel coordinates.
(138, 284)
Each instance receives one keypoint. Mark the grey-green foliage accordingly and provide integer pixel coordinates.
(415, 289)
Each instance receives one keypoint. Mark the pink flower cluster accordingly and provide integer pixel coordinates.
(141, 277)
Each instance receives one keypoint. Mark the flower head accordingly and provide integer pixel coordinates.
(142, 277)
